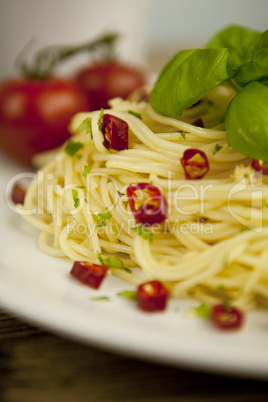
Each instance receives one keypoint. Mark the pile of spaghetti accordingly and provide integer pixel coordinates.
(212, 243)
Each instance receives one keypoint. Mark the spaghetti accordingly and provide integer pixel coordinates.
(213, 244)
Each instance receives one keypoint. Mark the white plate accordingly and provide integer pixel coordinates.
(39, 289)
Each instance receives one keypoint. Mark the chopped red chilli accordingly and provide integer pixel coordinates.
(195, 164)
(226, 318)
(18, 194)
(147, 203)
(88, 273)
(115, 132)
(152, 296)
(260, 166)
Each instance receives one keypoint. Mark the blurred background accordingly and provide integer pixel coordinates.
(152, 30)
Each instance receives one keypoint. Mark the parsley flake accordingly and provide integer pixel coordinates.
(75, 198)
(217, 148)
(245, 229)
(144, 232)
(183, 135)
(113, 262)
(100, 298)
(73, 147)
(85, 125)
(103, 217)
(138, 115)
(128, 294)
(86, 170)
(203, 311)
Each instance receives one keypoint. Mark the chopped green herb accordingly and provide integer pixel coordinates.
(128, 294)
(244, 229)
(227, 305)
(203, 311)
(100, 298)
(144, 232)
(73, 147)
(217, 148)
(138, 115)
(75, 198)
(100, 121)
(113, 262)
(79, 186)
(219, 288)
(183, 135)
(100, 259)
(103, 217)
(85, 125)
(86, 170)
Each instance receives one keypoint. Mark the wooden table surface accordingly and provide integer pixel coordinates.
(38, 366)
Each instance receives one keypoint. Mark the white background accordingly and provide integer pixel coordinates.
(152, 30)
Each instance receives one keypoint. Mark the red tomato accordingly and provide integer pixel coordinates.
(108, 79)
(34, 114)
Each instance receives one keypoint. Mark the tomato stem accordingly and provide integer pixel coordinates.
(46, 59)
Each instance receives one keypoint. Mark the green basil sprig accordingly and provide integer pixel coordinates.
(237, 54)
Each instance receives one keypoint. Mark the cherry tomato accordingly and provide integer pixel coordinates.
(34, 114)
(109, 79)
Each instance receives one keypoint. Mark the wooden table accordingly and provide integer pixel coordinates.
(38, 366)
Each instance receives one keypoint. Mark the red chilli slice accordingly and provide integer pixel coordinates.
(227, 318)
(18, 194)
(152, 296)
(147, 203)
(115, 132)
(90, 274)
(195, 164)
(260, 166)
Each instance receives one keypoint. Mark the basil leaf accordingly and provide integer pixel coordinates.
(239, 40)
(246, 121)
(187, 78)
(256, 69)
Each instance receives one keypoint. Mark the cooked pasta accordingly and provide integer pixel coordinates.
(213, 244)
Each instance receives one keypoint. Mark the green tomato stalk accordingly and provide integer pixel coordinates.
(46, 59)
